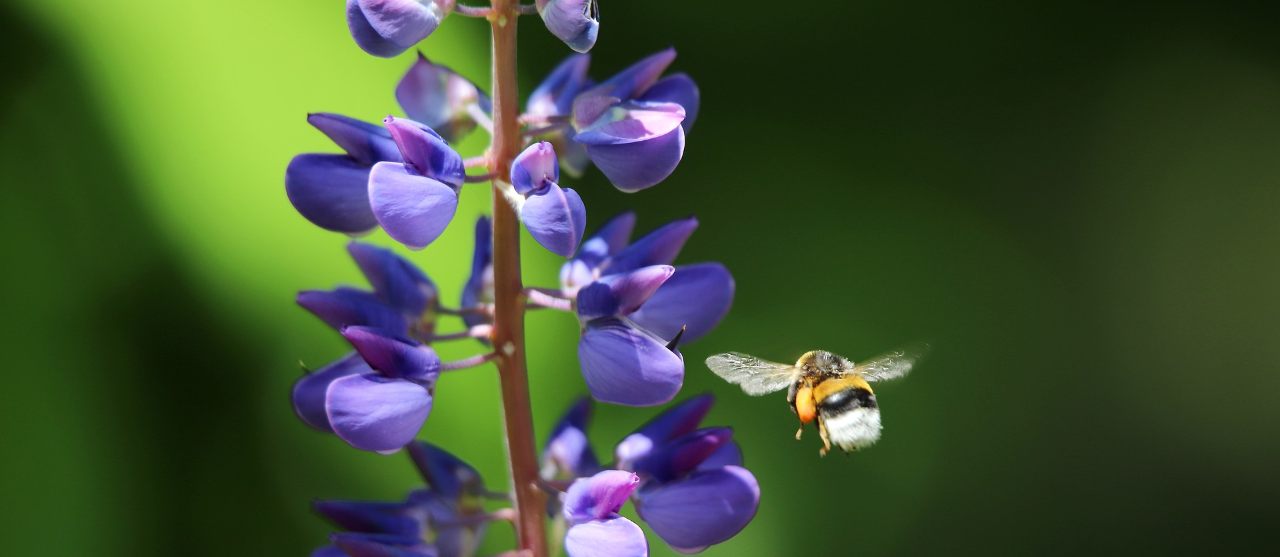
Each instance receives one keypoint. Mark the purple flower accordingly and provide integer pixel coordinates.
(438, 97)
(576, 22)
(695, 298)
(554, 216)
(332, 191)
(477, 293)
(633, 124)
(596, 529)
(377, 545)
(401, 295)
(414, 201)
(568, 453)
(387, 28)
(376, 401)
(623, 363)
(552, 100)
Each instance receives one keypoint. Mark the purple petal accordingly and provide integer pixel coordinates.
(599, 496)
(704, 509)
(729, 454)
(623, 365)
(554, 96)
(331, 191)
(376, 413)
(414, 210)
(679, 89)
(659, 247)
(631, 123)
(632, 167)
(329, 551)
(621, 294)
(437, 97)
(395, 355)
(395, 280)
(676, 421)
(388, 27)
(535, 168)
(479, 287)
(556, 218)
(427, 153)
(614, 537)
(608, 240)
(576, 22)
(381, 545)
(450, 540)
(625, 85)
(682, 455)
(348, 306)
(365, 142)
(696, 297)
(370, 517)
(448, 476)
(309, 391)
(569, 453)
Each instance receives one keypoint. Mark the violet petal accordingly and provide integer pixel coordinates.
(331, 191)
(621, 294)
(345, 306)
(395, 280)
(599, 496)
(659, 247)
(534, 168)
(704, 509)
(613, 537)
(414, 210)
(381, 545)
(676, 421)
(402, 23)
(554, 96)
(676, 88)
(623, 365)
(729, 454)
(395, 355)
(568, 453)
(683, 454)
(376, 413)
(366, 142)
(437, 96)
(696, 297)
(556, 218)
(426, 152)
(449, 476)
(309, 390)
(632, 167)
(632, 122)
(374, 517)
(576, 22)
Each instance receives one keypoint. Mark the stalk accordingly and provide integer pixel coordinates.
(509, 306)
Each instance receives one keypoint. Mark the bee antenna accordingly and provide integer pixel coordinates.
(672, 345)
(305, 369)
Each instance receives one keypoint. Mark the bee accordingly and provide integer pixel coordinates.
(822, 386)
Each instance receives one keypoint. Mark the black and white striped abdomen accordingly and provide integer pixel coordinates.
(851, 416)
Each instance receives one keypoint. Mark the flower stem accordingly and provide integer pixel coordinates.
(508, 334)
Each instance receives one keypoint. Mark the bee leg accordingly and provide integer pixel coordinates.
(799, 432)
(826, 443)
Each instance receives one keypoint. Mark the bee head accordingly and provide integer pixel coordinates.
(821, 362)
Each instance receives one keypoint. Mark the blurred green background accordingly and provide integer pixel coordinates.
(1076, 203)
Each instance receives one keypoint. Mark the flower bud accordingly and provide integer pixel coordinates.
(387, 28)
(576, 22)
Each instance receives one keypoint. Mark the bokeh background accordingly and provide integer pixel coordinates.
(1076, 203)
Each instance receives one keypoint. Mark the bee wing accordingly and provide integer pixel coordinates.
(892, 365)
(755, 376)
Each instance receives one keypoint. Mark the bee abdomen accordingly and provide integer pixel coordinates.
(846, 400)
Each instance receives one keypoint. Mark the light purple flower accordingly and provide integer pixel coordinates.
(387, 28)
(636, 138)
(576, 22)
(554, 216)
(332, 191)
(552, 100)
(568, 453)
(414, 201)
(436, 96)
(596, 529)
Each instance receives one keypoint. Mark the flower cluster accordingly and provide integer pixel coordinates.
(634, 306)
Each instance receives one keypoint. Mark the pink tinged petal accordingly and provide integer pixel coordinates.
(437, 97)
(679, 89)
(556, 218)
(388, 27)
(535, 168)
(659, 247)
(729, 454)
(621, 294)
(599, 496)
(365, 142)
(331, 191)
(395, 355)
(613, 537)
(414, 210)
(677, 421)
(449, 476)
(554, 96)
(309, 390)
(631, 123)
(576, 22)
(704, 509)
(426, 152)
(623, 365)
(377, 413)
(697, 297)
(395, 280)
(683, 454)
(381, 545)
(632, 167)
(349, 306)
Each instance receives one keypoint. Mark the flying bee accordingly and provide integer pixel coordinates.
(824, 387)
